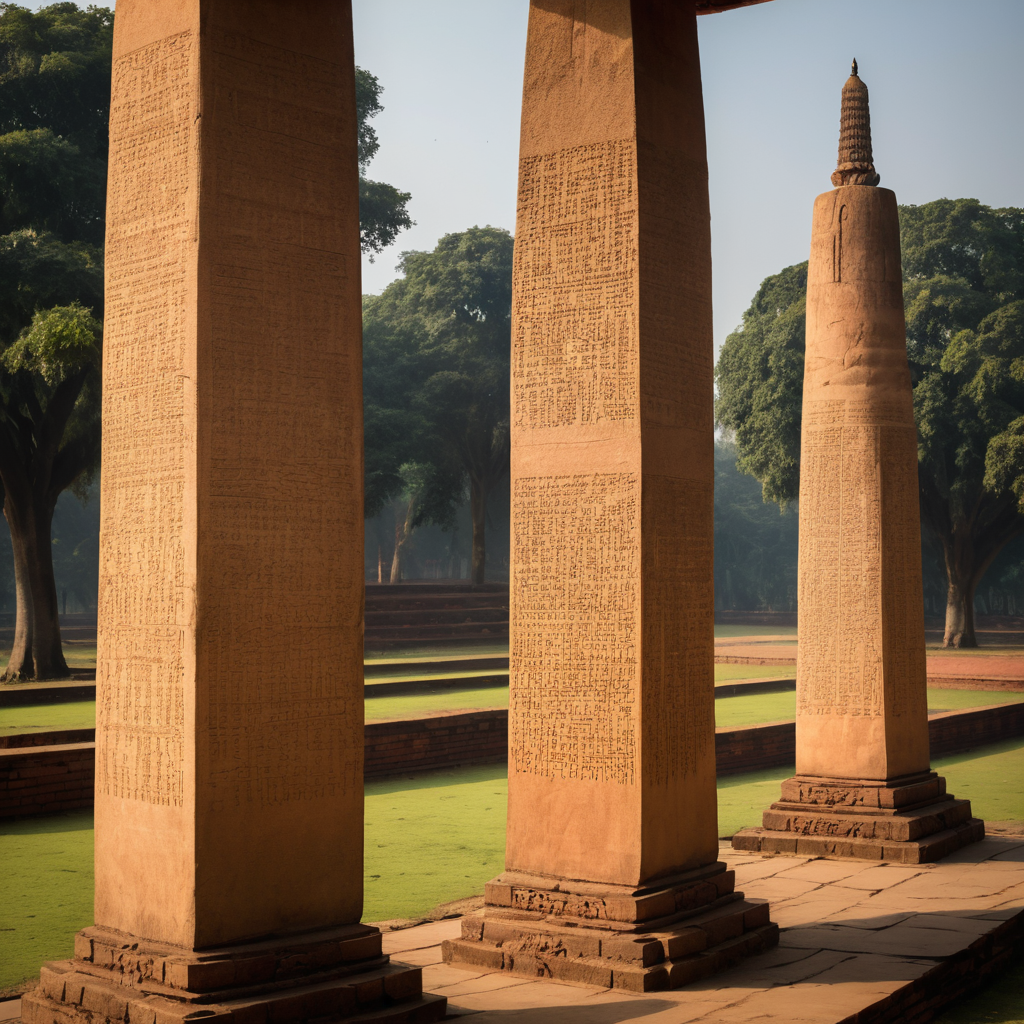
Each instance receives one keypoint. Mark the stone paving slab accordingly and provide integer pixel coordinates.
(859, 942)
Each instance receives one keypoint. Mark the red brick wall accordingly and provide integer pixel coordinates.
(45, 780)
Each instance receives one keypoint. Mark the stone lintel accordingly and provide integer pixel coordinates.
(336, 974)
(652, 938)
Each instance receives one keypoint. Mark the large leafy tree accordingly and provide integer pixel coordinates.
(963, 272)
(54, 108)
(436, 381)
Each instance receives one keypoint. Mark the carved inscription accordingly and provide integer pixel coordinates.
(574, 655)
(147, 395)
(902, 602)
(280, 604)
(678, 644)
(840, 648)
(575, 335)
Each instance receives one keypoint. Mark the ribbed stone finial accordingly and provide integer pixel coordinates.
(855, 166)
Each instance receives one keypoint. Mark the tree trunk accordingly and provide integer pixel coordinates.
(19, 666)
(403, 531)
(37, 653)
(959, 616)
(478, 510)
(962, 577)
(396, 559)
(47, 652)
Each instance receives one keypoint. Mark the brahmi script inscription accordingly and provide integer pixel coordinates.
(576, 605)
(840, 648)
(140, 711)
(574, 346)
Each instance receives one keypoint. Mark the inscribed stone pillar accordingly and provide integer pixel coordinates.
(863, 787)
(229, 792)
(612, 819)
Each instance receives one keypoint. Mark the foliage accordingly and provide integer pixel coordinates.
(755, 544)
(436, 374)
(760, 381)
(54, 109)
(383, 211)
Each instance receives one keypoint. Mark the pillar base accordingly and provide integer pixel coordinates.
(669, 934)
(331, 975)
(910, 820)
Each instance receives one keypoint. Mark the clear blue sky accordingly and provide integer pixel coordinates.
(945, 78)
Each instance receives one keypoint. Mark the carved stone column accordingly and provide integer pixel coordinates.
(612, 874)
(863, 787)
(229, 794)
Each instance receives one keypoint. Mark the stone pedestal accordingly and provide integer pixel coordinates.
(863, 786)
(611, 863)
(229, 788)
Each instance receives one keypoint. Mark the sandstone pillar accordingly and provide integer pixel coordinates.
(229, 793)
(863, 787)
(612, 874)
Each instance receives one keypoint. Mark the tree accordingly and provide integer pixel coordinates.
(383, 209)
(963, 273)
(54, 109)
(755, 544)
(49, 439)
(436, 378)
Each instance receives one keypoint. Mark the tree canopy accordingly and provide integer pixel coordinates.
(54, 108)
(436, 380)
(383, 209)
(963, 273)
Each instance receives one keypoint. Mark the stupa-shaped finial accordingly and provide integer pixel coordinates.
(855, 166)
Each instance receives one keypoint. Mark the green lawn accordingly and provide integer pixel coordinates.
(79, 714)
(45, 891)
(415, 705)
(732, 712)
(727, 673)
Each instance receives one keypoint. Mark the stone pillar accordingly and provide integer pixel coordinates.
(863, 787)
(612, 874)
(229, 792)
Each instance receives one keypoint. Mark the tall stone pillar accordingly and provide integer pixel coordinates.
(229, 793)
(863, 787)
(612, 874)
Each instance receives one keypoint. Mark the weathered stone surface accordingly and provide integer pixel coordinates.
(611, 715)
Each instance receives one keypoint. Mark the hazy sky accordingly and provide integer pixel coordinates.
(945, 78)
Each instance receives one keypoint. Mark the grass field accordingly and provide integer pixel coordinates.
(429, 840)
(414, 705)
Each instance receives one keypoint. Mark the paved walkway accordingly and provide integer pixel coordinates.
(854, 936)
